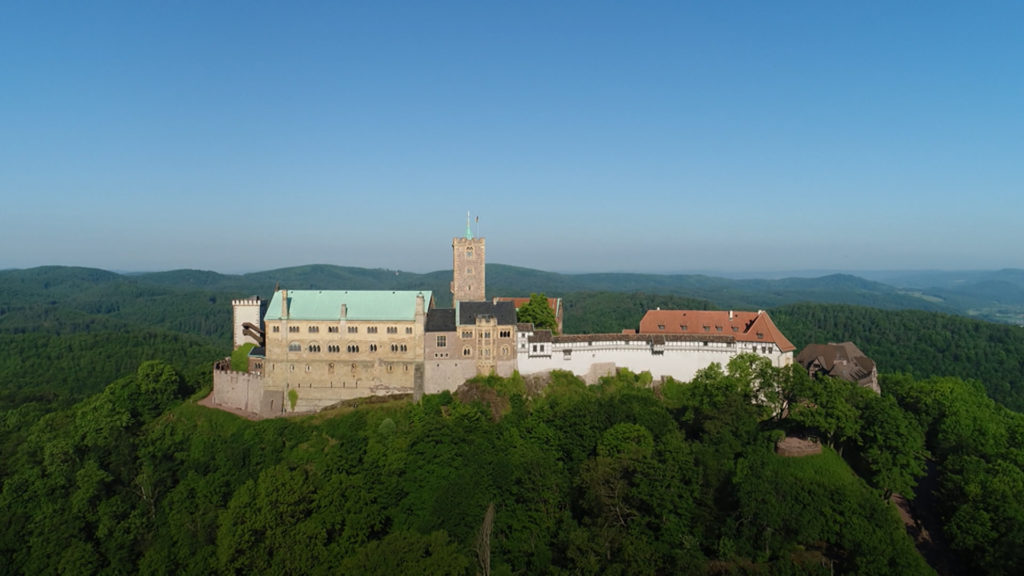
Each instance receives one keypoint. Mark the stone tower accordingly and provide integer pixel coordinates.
(247, 321)
(468, 267)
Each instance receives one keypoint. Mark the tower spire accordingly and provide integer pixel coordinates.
(469, 232)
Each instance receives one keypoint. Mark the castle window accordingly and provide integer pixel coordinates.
(760, 335)
(467, 351)
(487, 334)
(469, 271)
(661, 326)
(505, 334)
(373, 347)
(294, 347)
(276, 329)
(683, 327)
(718, 328)
(293, 328)
(332, 329)
(534, 347)
(442, 341)
(353, 348)
(504, 351)
(467, 334)
(307, 367)
(333, 348)
(403, 348)
(313, 348)
(314, 329)
(353, 329)
(567, 354)
(371, 330)
(707, 328)
(408, 329)
(392, 329)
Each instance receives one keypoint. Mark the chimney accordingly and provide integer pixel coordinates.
(419, 304)
(284, 303)
(730, 315)
(344, 311)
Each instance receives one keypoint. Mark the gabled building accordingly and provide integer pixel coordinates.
(844, 361)
(670, 343)
(751, 331)
(472, 339)
(325, 346)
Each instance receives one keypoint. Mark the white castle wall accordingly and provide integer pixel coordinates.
(593, 359)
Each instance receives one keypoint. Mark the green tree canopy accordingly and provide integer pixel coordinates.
(539, 313)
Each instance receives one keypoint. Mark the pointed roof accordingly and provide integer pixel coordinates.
(744, 326)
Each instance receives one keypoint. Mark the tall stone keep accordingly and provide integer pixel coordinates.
(468, 268)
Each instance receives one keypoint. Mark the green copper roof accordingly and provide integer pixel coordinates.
(397, 305)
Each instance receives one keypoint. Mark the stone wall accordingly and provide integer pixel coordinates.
(238, 390)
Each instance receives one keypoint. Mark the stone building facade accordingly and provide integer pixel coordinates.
(246, 319)
(324, 346)
(469, 279)
(472, 339)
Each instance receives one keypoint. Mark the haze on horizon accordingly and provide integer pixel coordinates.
(653, 137)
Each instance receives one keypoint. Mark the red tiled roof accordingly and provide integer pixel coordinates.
(744, 326)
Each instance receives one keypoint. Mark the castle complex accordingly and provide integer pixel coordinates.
(315, 348)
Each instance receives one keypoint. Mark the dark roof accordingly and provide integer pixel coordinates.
(541, 336)
(650, 338)
(440, 320)
(503, 312)
(843, 360)
(259, 351)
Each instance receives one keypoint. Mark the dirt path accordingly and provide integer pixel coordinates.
(922, 522)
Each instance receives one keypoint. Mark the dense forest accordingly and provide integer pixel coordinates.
(107, 463)
(502, 478)
(919, 343)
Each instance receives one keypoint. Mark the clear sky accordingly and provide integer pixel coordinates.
(587, 136)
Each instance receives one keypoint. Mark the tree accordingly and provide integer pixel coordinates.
(539, 313)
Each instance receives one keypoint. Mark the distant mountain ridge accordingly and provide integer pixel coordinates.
(501, 280)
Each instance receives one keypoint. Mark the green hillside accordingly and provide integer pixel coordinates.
(611, 479)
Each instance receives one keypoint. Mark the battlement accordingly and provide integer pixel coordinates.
(251, 301)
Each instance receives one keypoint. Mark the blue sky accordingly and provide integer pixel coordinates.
(587, 136)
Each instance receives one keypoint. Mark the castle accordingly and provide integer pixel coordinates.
(316, 348)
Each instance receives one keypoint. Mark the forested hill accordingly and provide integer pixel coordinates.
(62, 283)
(919, 343)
